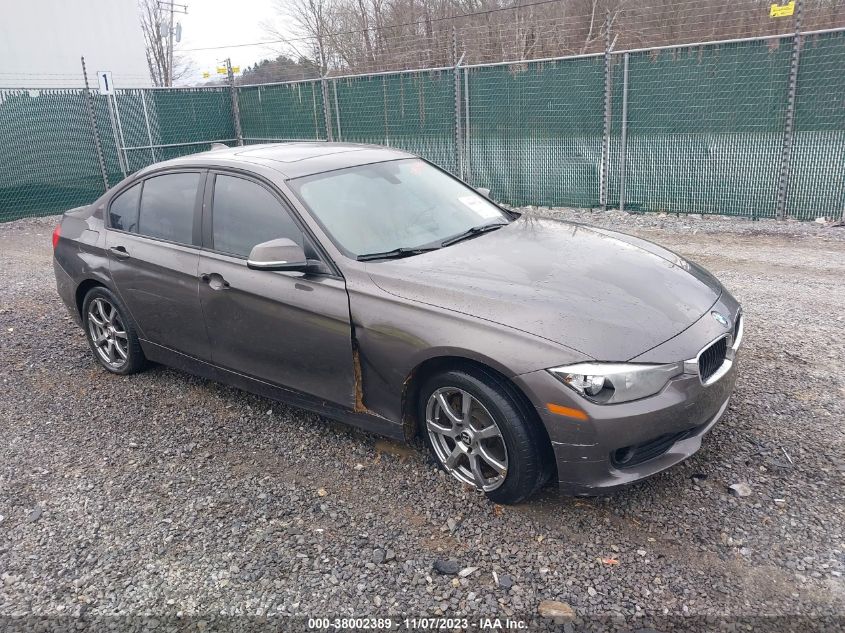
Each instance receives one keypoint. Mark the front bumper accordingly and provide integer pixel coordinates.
(622, 443)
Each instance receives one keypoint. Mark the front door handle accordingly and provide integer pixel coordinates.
(119, 252)
(215, 281)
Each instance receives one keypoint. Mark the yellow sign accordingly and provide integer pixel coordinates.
(782, 10)
(221, 70)
(206, 75)
(236, 69)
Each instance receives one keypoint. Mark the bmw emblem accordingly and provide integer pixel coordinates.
(720, 318)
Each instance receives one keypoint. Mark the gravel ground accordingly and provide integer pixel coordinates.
(170, 497)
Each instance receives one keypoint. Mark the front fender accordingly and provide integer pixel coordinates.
(394, 336)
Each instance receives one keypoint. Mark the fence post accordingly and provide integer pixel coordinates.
(456, 71)
(386, 122)
(605, 147)
(236, 108)
(122, 147)
(327, 114)
(147, 121)
(623, 142)
(467, 162)
(789, 119)
(336, 110)
(92, 117)
(116, 139)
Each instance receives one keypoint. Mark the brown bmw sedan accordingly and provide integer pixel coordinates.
(368, 285)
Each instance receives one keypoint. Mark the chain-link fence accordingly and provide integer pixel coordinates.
(752, 127)
(534, 131)
(47, 156)
(414, 111)
(283, 112)
(49, 149)
(704, 129)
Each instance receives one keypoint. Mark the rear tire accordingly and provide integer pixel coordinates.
(481, 433)
(110, 332)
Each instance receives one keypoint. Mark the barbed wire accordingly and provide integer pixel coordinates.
(534, 30)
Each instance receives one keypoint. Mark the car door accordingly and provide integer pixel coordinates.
(290, 329)
(153, 241)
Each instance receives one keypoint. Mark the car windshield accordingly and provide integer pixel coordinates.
(394, 207)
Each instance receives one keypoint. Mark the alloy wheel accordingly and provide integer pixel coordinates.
(466, 438)
(108, 333)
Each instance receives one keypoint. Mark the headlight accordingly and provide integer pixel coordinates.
(610, 383)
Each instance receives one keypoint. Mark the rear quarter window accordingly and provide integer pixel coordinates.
(123, 211)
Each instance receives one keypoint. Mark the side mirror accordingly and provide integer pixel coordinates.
(279, 254)
(484, 191)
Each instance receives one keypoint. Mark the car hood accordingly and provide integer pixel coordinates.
(607, 295)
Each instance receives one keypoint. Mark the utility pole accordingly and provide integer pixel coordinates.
(183, 9)
(170, 49)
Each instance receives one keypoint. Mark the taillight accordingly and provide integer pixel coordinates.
(57, 233)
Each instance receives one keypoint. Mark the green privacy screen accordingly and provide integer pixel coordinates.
(817, 182)
(705, 129)
(535, 131)
(412, 111)
(175, 122)
(282, 112)
(48, 160)
(47, 157)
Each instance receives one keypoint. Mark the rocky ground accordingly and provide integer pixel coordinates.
(169, 497)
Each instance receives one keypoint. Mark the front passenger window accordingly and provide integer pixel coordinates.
(245, 214)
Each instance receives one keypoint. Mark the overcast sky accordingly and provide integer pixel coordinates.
(223, 22)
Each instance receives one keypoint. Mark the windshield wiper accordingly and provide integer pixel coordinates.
(396, 253)
(471, 232)
(407, 251)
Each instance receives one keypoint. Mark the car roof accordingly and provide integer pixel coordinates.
(293, 159)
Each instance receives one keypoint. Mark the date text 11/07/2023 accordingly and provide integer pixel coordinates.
(416, 624)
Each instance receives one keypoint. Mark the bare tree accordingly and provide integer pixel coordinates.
(361, 36)
(154, 27)
(315, 21)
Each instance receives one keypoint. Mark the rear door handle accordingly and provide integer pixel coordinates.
(119, 252)
(214, 280)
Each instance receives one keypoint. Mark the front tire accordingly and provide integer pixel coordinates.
(481, 434)
(111, 333)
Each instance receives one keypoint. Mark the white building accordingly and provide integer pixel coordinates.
(41, 42)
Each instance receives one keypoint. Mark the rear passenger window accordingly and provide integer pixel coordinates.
(245, 214)
(167, 207)
(123, 212)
